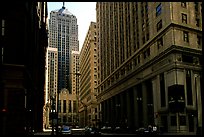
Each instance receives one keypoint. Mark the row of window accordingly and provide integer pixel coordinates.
(183, 15)
(160, 44)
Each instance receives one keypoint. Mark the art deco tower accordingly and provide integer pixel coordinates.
(63, 35)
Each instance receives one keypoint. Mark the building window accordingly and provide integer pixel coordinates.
(2, 27)
(74, 106)
(158, 9)
(64, 106)
(197, 22)
(173, 121)
(159, 42)
(64, 119)
(162, 90)
(182, 120)
(159, 25)
(184, 18)
(70, 106)
(183, 4)
(185, 36)
(199, 40)
(196, 6)
(189, 87)
(59, 109)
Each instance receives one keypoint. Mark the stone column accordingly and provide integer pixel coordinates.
(117, 110)
(135, 108)
(108, 112)
(122, 109)
(129, 117)
(103, 111)
(112, 112)
(199, 101)
(144, 104)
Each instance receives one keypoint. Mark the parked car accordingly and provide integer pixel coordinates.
(142, 131)
(92, 131)
(65, 130)
(106, 129)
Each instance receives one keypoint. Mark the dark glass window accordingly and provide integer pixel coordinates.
(184, 18)
(74, 106)
(196, 6)
(173, 121)
(158, 9)
(187, 58)
(70, 106)
(197, 22)
(64, 106)
(182, 120)
(59, 109)
(199, 40)
(162, 90)
(159, 25)
(189, 87)
(185, 36)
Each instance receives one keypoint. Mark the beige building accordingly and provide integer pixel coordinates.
(88, 79)
(149, 65)
(67, 111)
(50, 84)
(68, 101)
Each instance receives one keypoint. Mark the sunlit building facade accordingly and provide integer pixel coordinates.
(51, 84)
(150, 65)
(88, 110)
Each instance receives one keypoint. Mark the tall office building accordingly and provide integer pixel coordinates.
(63, 35)
(22, 66)
(51, 84)
(74, 76)
(88, 79)
(150, 65)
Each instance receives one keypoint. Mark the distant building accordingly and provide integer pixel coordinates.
(88, 110)
(63, 35)
(67, 111)
(51, 83)
(150, 65)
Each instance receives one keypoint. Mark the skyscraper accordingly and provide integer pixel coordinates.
(88, 78)
(63, 35)
(150, 64)
(51, 82)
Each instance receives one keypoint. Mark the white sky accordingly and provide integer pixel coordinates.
(85, 12)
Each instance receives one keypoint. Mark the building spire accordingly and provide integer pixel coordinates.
(63, 6)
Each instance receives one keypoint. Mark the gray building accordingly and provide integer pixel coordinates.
(63, 35)
(150, 65)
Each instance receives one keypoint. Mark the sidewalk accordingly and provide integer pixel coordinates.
(189, 133)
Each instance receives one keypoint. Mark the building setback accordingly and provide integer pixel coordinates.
(150, 65)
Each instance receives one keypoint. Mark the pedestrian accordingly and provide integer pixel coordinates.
(150, 128)
(154, 129)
